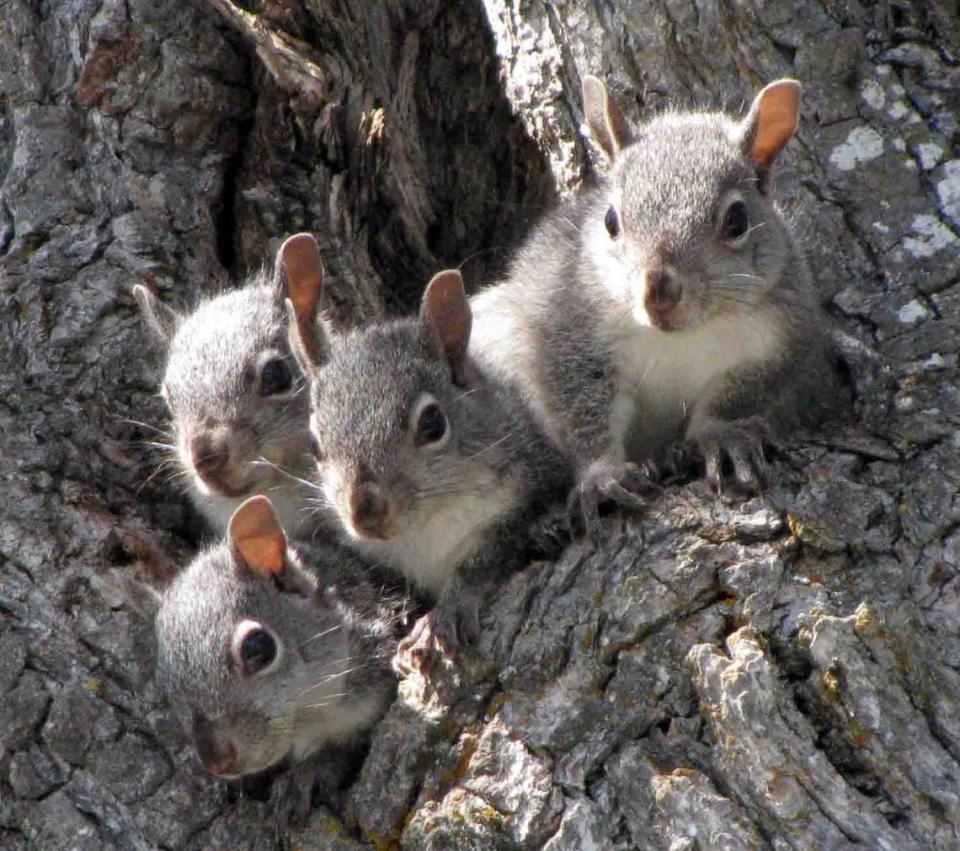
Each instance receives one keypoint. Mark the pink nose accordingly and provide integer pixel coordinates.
(661, 288)
(218, 754)
(369, 510)
(208, 453)
(662, 294)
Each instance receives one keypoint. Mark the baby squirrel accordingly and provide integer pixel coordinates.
(273, 649)
(238, 403)
(432, 467)
(668, 304)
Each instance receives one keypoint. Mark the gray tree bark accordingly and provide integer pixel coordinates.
(780, 673)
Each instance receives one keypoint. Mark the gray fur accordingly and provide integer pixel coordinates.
(496, 456)
(338, 628)
(572, 303)
(211, 381)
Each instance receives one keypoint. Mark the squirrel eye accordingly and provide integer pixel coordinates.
(736, 221)
(431, 425)
(257, 651)
(611, 221)
(315, 449)
(275, 377)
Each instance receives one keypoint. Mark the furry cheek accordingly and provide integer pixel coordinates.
(291, 452)
(334, 488)
(609, 258)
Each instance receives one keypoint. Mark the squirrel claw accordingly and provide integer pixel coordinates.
(626, 484)
(456, 626)
(291, 799)
(414, 651)
(733, 456)
(443, 630)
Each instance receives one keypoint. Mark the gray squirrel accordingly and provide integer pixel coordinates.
(670, 304)
(433, 468)
(273, 650)
(237, 400)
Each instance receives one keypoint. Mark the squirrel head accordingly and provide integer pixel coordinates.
(253, 656)
(686, 229)
(237, 400)
(393, 416)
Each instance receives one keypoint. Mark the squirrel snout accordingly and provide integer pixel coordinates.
(662, 295)
(209, 453)
(369, 511)
(218, 754)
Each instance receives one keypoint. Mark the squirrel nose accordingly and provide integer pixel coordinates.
(369, 510)
(660, 287)
(662, 294)
(209, 453)
(218, 754)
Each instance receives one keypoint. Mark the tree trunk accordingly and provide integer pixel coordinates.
(780, 673)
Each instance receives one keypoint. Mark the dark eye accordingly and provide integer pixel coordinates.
(736, 221)
(431, 425)
(275, 377)
(257, 650)
(315, 449)
(611, 221)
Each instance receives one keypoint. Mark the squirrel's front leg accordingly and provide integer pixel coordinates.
(604, 481)
(454, 623)
(605, 476)
(731, 452)
(729, 430)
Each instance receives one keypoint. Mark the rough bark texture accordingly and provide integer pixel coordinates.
(783, 673)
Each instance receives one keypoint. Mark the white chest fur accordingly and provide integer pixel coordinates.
(667, 375)
(313, 729)
(429, 550)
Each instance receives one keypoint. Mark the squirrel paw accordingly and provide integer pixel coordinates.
(626, 484)
(444, 630)
(732, 455)
(291, 798)
(550, 533)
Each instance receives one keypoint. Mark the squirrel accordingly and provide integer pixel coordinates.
(433, 468)
(667, 306)
(272, 650)
(236, 399)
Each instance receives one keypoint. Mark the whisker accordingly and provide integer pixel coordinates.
(329, 678)
(322, 633)
(263, 462)
(142, 424)
(495, 443)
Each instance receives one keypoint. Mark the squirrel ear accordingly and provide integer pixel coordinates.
(445, 316)
(307, 340)
(257, 538)
(161, 320)
(606, 122)
(772, 120)
(299, 278)
(299, 273)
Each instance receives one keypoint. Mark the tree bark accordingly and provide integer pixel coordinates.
(777, 673)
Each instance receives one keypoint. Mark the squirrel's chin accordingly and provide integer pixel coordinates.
(249, 766)
(223, 489)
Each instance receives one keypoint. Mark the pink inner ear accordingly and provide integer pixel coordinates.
(301, 261)
(257, 537)
(263, 554)
(777, 119)
(449, 313)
